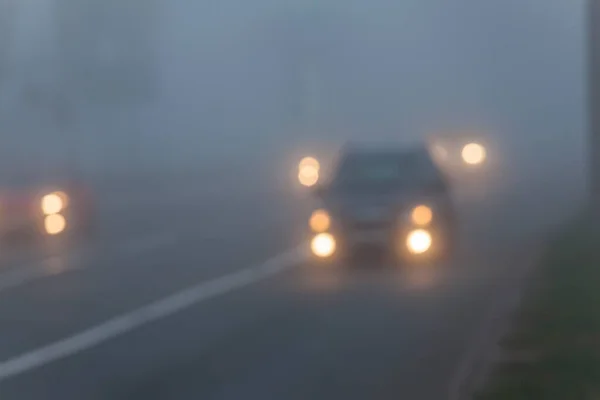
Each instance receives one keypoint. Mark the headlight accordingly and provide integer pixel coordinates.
(308, 171)
(320, 221)
(52, 203)
(55, 224)
(473, 154)
(419, 241)
(309, 162)
(323, 245)
(308, 175)
(421, 215)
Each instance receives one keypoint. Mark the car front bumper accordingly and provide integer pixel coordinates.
(438, 240)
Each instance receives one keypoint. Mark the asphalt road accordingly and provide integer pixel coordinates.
(203, 299)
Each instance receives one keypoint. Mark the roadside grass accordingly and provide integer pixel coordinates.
(553, 349)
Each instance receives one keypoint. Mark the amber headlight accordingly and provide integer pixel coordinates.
(55, 224)
(320, 221)
(52, 203)
(308, 171)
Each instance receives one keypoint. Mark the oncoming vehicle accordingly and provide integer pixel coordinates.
(395, 198)
(460, 156)
(472, 161)
(38, 205)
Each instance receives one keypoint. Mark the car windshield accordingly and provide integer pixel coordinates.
(384, 170)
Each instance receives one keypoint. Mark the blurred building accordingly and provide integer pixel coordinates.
(7, 16)
(109, 74)
(307, 40)
(108, 48)
(26, 70)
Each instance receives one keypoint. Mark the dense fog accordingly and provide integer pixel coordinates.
(218, 83)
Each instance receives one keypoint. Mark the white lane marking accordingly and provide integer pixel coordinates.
(165, 307)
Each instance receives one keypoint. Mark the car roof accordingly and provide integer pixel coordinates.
(382, 150)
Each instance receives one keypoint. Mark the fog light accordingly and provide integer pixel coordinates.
(419, 241)
(52, 203)
(308, 175)
(55, 224)
(319, 221)
(421, 215)
(323, 245)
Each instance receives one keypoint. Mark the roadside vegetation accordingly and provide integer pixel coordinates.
(552, 351)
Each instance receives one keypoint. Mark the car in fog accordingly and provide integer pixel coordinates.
(395, 198)
(42, 206)
(475, 163)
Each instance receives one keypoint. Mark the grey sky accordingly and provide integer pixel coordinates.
(393, 69)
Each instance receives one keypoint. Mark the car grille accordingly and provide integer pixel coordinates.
(364, 225)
